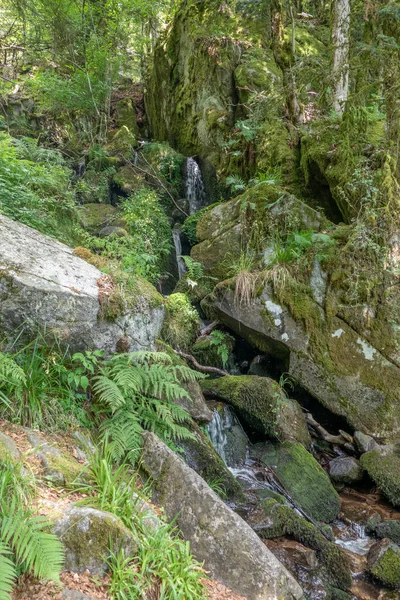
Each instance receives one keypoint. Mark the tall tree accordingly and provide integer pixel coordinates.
(341, 50)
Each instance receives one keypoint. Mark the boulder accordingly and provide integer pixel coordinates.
(383, 466)
(388, 529)
(231, 551)
(60, 469)
(196, 406)
(95, 216)
(43, 285)
(384, 563)
(88, 536)
(328, 358)
(261, 405)
(303, 478)
(345, 469)
(114, 231)
(364, 442)
(8, 448)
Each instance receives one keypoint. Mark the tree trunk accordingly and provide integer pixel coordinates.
(341, 49)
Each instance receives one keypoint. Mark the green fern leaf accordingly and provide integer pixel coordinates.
(8, 573)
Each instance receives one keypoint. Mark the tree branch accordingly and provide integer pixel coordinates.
(198, 366)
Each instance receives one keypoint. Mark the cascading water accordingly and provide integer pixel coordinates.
(180, 263)
(194, 186)
(217, 430)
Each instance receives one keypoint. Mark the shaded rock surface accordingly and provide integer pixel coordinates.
(303, 478)
(44, 285)
(383, 466)
(88, 535)
(364, 443)
(231, 550)
(345, 470)
(261, 405)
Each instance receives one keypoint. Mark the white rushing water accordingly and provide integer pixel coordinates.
(221, 421)
(194, 186)
(180, 263)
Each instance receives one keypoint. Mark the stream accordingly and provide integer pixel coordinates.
(233, 445)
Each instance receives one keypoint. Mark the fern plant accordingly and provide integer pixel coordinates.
(139, 391)
(25, 544)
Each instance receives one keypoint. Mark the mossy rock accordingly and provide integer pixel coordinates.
(8, 448)
(182, 322)
(384, 563)
(94, 217)
(389, 529)
(207, 351)
(303, 478)
(201, 456)
(262, 406)
(89, 535)
(283, 521)
(59, 468)
(383, 466)
(128, 179)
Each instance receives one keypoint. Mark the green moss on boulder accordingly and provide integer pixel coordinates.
(181, 323)
(384, 563)
(303, 478)
(262, 405)
(383, 466)
(283, 521)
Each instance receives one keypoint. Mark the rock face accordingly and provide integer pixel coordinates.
(8, 448)
(303, 478)
(232, 552)
(59, 468)
(43, 285)
(329, 360)
(88, 534)
(262, 405)
(389, 529)
(345, 470)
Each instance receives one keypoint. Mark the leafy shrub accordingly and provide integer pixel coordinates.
(190, 225)
(33, 193)
(181, 323)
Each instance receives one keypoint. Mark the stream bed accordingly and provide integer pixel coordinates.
(349, 529)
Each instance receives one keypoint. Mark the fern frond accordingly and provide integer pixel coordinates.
(125, 431)
(10, 372)
(108, 392)
(36, 551)
(145, 356)
(8, 572)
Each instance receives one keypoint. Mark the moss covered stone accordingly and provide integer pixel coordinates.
(262, 405)
(389, 529)
(181, 323)
(303, 478)
(383, 466)
(89, 536)
(208, 350)
(384, 563)
(94, 217)
(59, 468)
(283, 521)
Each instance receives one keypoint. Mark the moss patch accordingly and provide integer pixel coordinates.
(383, 466)
(303, 478)
(181, 323)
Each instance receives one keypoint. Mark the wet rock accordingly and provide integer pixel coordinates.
(227, 436)
(59, 468)
(44, 285)
(201, 456)
(88, 535)
(292, 551)
(303, 478)
(383, 466)
(8, 448)
(388, 529)
(384, 562)
(231, 550)
(345, 470)
(262, 405)
(364, 442)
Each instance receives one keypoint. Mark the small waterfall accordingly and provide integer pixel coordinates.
(194, 186)
(180, 263)
(222, 420)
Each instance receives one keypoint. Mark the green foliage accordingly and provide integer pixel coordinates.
(181, 323)
(25, 544)
(39, 387)
(217, 486)
(142, 253)
(190, 225)
(34, 188)
(219, 339)
(138, 391)
(236, 183)
(163, 561)
(298, 243)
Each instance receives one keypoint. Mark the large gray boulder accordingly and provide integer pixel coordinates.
(88, 536)
(43, 285)
(230, 549)
(327, 357)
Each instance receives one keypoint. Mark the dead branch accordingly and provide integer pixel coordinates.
(198, 366)
(343, 439)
